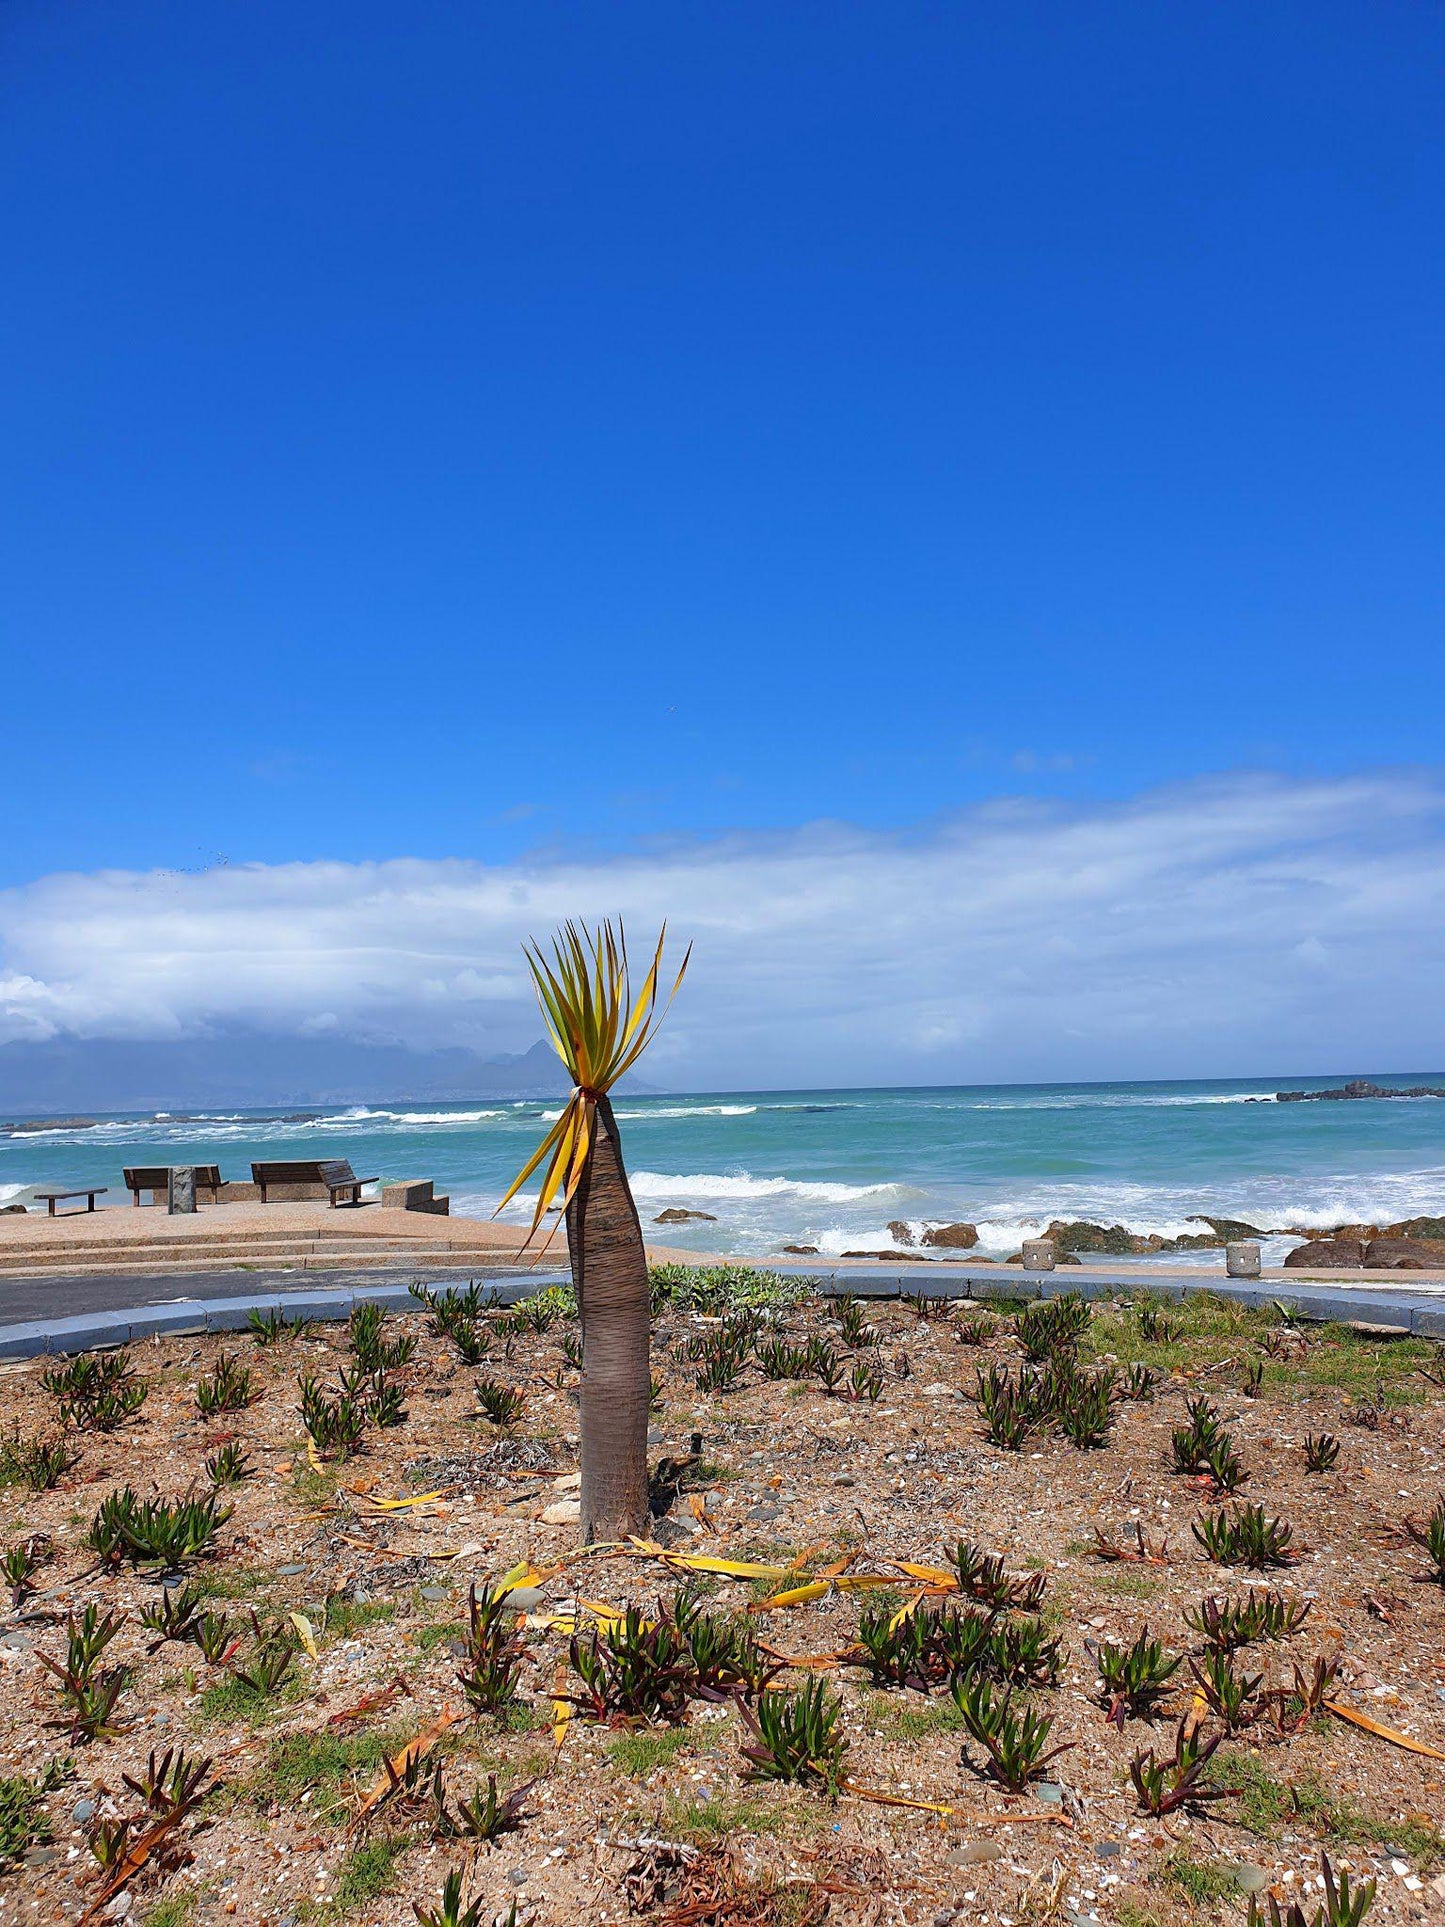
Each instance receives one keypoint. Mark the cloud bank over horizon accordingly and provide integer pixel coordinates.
(1220, 927)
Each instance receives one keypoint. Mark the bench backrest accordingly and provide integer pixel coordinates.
(157, 1177)
(304, 1171)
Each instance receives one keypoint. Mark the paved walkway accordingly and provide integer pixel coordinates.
(76, 1313)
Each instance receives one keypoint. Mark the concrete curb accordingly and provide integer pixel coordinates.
(93, 1331)
(1393, 1310)
(1416, 1314)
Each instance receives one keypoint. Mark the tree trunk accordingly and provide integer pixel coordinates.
(609, 1270)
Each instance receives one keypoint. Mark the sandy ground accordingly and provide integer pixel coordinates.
(796, 1479)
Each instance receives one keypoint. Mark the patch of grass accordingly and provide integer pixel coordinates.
(1266, 1804)
(1130, 1912)
(638, 1754)
(311, 1487)
(902, 1718)
(702, 1821)
(367, 1871)
(296, 1761)
(1131, 1581)
(172, 1910)
(231, 1699)
(347, 1616)
(23, 1821)
(424, 1638)
(1200, 1881)
(233, 1582)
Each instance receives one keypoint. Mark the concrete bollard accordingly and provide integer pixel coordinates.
(1038, 1254)
(1242, 1260)
(181, 1191)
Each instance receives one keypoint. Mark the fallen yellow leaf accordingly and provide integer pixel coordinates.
(304, 1632)
(793, 1596)
(1367, 1725)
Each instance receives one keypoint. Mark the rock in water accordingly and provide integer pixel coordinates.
(1357, 1087)
(901, 1232)
(951, 1237)
(674, 1214)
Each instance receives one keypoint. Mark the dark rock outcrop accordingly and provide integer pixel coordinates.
(1356, 1088)
(1405, 1254)
(802, 1251)
(1226, 1230)
(1113, 1241)
(674, 1214)
(951, 1237)
(901, 1232)
(1338, 1254)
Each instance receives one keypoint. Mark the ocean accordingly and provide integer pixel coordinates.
(834, 1168)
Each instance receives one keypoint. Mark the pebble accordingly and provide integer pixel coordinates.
(289, 1572)
(761, 1512)
(1050, 1793)
(525, 1598)
(1106, 1849)
(562, 1512)
(974, 1853)
(82, 1811)
(517, 1875)
(844, 1479)
(433, 1592)
(1249, 1878)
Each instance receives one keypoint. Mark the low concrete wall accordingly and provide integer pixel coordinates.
(415, 1194)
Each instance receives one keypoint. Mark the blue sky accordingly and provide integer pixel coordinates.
(541, 435)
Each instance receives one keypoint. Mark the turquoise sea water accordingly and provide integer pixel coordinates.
(834, 1168)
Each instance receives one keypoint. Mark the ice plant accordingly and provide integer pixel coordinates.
(599, 1030)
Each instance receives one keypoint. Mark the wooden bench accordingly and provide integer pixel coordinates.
(335, 1173)
(52, 1198)
(157, 1177)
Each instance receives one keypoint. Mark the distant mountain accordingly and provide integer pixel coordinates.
(65, 1076)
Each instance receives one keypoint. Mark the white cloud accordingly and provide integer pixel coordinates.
(1237, 923)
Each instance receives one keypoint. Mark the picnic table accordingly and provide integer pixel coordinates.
(89, 1192)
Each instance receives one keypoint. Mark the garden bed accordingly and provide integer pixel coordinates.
(341, 1569)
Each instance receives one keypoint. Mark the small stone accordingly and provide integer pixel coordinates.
(82, 1811)
(1050, 1793)
(517, 1875)
(1249, 1878)
(289, 1572)
(433, 1593)
(41, 1856)
(760, 1513)
(525, 1598)
(1106, 1849)
(19, 1641)
(844, 1479)
(562, 1512)
(975, 1853)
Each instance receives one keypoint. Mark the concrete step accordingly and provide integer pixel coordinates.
(311, 1258)
(219, 1241)
(15, 1264)
(195, 1240)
